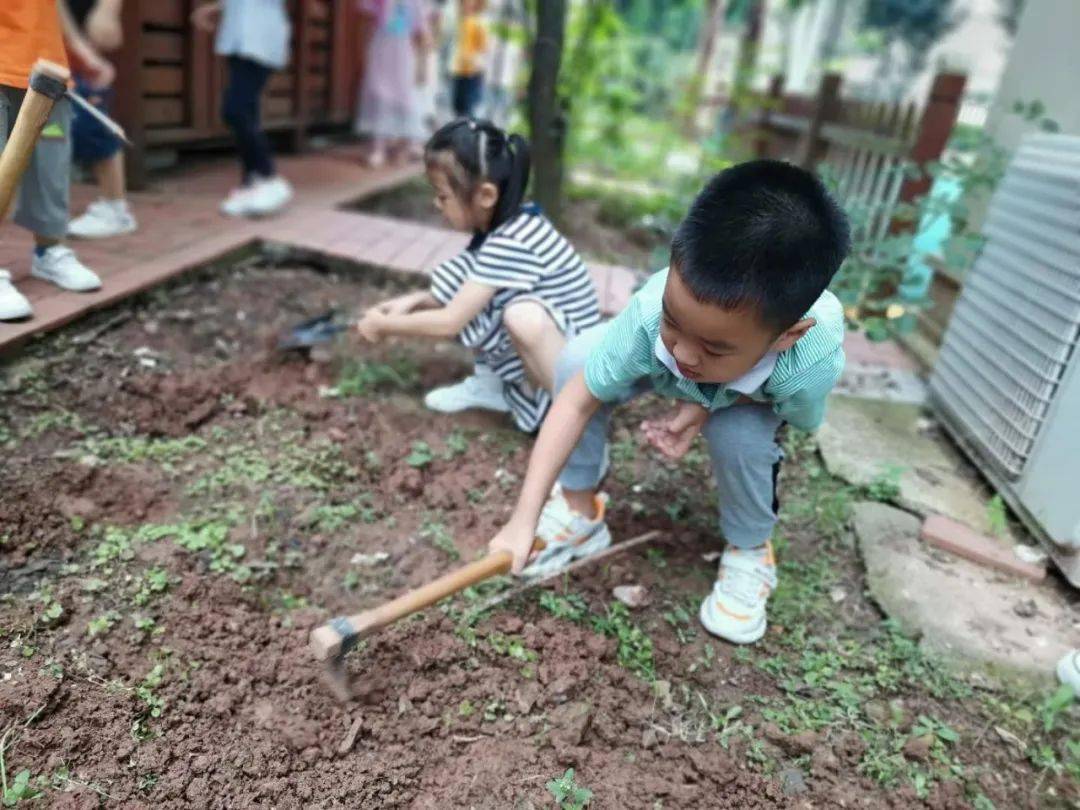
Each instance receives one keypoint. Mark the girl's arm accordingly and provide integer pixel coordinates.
(409, 302)
(443, 322)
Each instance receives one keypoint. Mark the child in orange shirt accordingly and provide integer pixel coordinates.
(32, 30)
(469, 57)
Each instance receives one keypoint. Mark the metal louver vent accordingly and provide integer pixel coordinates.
(1016, 323)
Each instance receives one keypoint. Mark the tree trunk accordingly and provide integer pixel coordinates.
(547, 122)
(748, 49)
(710, 32)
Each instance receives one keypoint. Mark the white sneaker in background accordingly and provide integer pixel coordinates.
(236, 204)
(483, 390)
(62, 267)
(268, 196)
(1068, 670)
(13, 304)
(103, 218)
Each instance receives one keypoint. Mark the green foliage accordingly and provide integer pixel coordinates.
(102, 624)
(331, 517)
(154, 581)
(886, 485)
(570, 606)
(360, 377)
(568, 794)
(439, 536)
(20, 789)
(1054, 705)
(421, 455)
(876, 284)
(635, 650)
(996, 516)
(153, 705)
(206, 537)
(133, 449)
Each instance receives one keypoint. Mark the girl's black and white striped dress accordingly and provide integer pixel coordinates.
(525, 258)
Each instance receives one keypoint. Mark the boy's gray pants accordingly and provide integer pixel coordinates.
(742, 445)
(42, 206)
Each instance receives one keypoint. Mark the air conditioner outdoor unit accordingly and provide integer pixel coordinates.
(1007, 380)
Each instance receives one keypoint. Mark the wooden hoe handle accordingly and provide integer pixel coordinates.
(337, 636)
(48, 83)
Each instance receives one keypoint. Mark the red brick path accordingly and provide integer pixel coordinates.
(180, 228)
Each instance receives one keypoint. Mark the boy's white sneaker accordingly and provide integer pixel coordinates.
(483, 390)
(563, 535)
(735, 610)
(103, 218)
(59, 265)
(13, 304)
(1068, 670)
(267, 197)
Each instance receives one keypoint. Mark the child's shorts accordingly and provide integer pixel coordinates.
(42, 206)
(91, 141)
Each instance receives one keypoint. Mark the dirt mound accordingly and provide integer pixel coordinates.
(176, 404)
(246, 715)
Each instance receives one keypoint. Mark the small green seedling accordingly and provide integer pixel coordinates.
(421, 455)
(568, 794)
(20, 789)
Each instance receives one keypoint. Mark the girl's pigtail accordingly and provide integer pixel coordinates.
(513, 187)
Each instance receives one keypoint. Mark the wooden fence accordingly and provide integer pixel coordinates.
(169, 82)
(870, 148)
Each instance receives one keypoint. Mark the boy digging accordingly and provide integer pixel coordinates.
(740, 329)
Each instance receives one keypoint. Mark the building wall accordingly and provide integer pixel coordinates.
(1044, 65)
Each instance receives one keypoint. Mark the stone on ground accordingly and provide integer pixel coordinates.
(961, 610)
(863, 439)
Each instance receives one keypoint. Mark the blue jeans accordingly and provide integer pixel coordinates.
(742, 445)
(240, 110)
(468, 91)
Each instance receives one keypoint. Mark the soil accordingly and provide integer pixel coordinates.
(584, 223)
(219, 704)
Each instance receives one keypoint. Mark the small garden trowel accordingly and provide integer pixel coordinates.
(314, 332)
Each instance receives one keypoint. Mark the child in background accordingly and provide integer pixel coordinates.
(514, 296)
(390, 112)
(32, 30)
(94, 145)
(468, 68)
(254, 36)
(742, 331)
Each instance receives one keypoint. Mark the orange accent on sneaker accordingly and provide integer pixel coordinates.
(737, 616)
(770, 557)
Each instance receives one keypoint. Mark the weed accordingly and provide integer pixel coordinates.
(331, 517)
(51, 611)
(115, 544)
(996, 516)
(421, 455)
(440, 537)
(153, 704)
(20, 788)
(144, 624)
(360, 377)
(568, 794)
(154, 581)
(351, 580)
(466, 709)
(656, 557)
(53, 420)
(133, 449)
(146, 782)
(1056, 703)
(456, 444)
(886, 485)
(102, 624)
(511, 646)
(635, 647)
(206, 537)
(570, 606)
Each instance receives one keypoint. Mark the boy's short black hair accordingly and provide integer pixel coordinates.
(765, 234)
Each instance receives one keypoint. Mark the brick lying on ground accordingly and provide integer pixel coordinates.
(952, 536)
